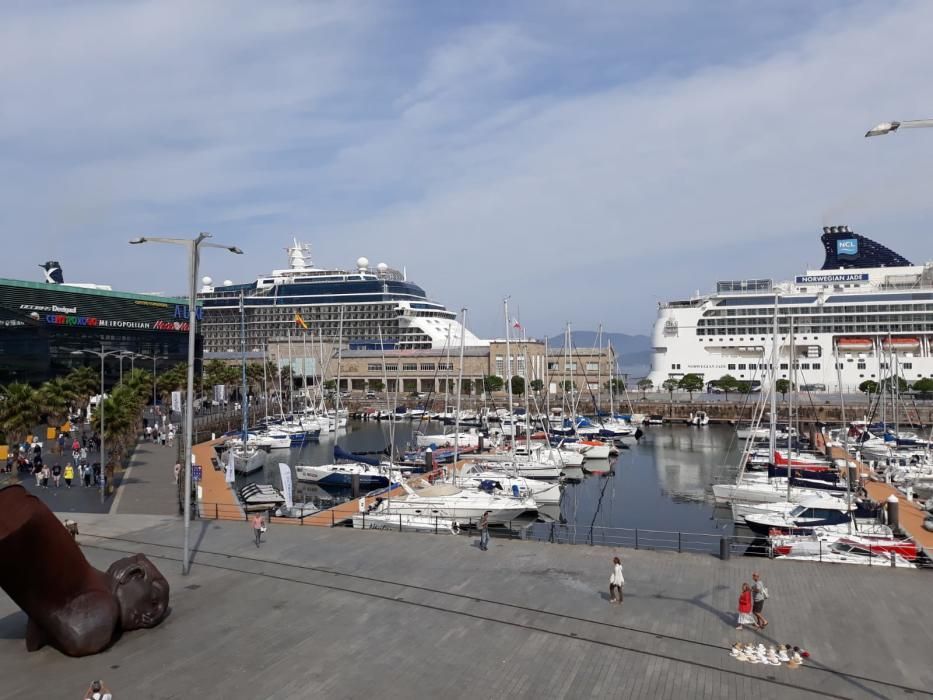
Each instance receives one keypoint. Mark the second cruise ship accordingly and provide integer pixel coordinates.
(366, 307)
(865, 315)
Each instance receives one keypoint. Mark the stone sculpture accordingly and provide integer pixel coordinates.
(72, 606)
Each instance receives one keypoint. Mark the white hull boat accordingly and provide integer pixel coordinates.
(404, 522)
(463, 505)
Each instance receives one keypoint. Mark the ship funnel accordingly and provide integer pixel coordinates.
(53, 272)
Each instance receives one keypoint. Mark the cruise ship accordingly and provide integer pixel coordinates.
(865, 315)
(364, 308)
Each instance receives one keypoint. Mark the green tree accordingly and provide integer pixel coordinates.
(617, 385)
(567, 386)
(923, 386)
(691, 383)
(330, 385)
(743, 387)
(869, 386)
(537, 385)
(727, 383)
(671, 385)
(376, 385)
(518, 385)
(54, 399)
(889, 383)
(85, 383)
(645, 385)
(492, 382)
(19, 412)
(782, 386)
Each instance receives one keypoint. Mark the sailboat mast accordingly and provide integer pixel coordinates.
(772, 433)
(599, 367)
(447, 370)
(339, 359)
(463, 313)
(790, 404)
(245, 397)
(508, 373)
(265, 380)
(291, 376)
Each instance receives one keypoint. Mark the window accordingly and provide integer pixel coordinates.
(783, 365)
(391, 368)
(907, 365)
(741, 367)
(427, 366)
(805, 365)
(570, 366)
(861, 364)
(592, 366)
(373, 367)
(730, 367)
(816, 365)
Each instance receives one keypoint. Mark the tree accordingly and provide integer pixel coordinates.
(869, 386)
(567, 386)
(19, 413)
(743, 387)
(727, 383)
(85, 383)
(330, 385)
(537, 385)
(691, 383)
(492, 382)
(518, 385)
(888, 384)
(645, 385)
(617, 384)
(54, 399)
(376, 385)
(670, 385)
(923, 386)
(782, 386)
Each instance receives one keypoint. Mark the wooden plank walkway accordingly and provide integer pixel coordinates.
(910, 516)
(218, 500)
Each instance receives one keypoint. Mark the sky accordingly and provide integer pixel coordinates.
(586, 159)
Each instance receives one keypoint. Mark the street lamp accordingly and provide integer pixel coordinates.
(890, 127)
(102, 354)
(153, 358)
(193, 246)
(124, 354)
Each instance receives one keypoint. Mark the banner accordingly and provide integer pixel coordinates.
(220, 392)
(176, 401)
(286, 473)
(229, 473)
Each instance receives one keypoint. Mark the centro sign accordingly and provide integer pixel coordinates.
(181, 311)
(847, 246)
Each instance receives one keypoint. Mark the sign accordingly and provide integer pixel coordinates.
(847, 246)
(181, 311)
(286, 473)
(229, 472)
(195, 473)
(176, 401)
(220, 392)
(833, 278)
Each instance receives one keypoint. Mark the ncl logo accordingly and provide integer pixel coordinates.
(847, 246)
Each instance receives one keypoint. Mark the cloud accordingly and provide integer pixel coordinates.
(557, 154)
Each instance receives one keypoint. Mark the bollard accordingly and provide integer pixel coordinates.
(354, 485)
(893, 560)
(853, 476)
(725, 548)
(894, 507)
(429, 460)
(480, 443)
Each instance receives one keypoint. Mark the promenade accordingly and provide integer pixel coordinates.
(339, 613)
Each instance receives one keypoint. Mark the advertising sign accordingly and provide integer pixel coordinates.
(220, 392)
(833, 278)
(847, 246)
(176, 401)
(286, 474)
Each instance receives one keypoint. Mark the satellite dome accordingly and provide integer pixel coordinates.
(382, 267)
(206, 280)
(362, 263)
(227, 283)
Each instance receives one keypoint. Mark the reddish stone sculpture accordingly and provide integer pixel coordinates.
(71, 605)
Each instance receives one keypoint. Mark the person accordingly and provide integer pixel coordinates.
(37, 470)
(759, 596)
(98, 691)
(162, 437)
(148, 432)
(484, 532)
(171, 436)
(259, 526)
(616, 581)
(88, 473)
(82, 456)
(75, 446)
(45, 476)
(177, 471)
(69, 474)
(745, 607)
(61, 443)
(57, 475)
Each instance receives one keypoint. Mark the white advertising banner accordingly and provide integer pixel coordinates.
(286, 473)
(176, 401)
(220, 392)
(229, 473)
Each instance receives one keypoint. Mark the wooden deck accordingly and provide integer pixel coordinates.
(216, 493)
(910, 516)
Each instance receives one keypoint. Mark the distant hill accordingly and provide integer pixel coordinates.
(623, 343)
(633, 351)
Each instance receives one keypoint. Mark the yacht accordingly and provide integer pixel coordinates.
(363, 306)
(866, 311)
(455, 503)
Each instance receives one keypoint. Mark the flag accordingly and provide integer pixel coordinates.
(300, 322)
(286, 473)
(516, 324)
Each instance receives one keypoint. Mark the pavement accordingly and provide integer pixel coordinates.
(342, 613)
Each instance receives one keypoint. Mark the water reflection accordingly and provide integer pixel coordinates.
(661, 484)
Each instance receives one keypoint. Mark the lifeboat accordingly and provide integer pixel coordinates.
(901, 344)
(854, 344)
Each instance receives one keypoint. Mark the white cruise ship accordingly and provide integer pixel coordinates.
(367, 308)
(867, 313)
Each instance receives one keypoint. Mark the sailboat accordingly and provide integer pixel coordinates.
(247, 457)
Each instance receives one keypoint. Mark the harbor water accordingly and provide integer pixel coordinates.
(660, 484)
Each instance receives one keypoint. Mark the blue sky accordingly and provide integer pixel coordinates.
(588, 159)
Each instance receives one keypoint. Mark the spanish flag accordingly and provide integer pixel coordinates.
(300, 322)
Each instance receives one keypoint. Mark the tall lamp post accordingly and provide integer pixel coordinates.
(193, 245)
(154, 358)
(890, 127)
(102, 354)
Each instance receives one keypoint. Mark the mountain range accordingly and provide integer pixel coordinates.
(633, 351)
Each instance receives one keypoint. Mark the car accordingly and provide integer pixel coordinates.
(370, 394)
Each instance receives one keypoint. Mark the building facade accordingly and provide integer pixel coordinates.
(42, 325)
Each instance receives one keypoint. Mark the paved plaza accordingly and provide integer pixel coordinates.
(339, 613)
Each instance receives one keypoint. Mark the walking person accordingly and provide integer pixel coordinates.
(616, 581)
(88, 472)
(57, 475)
(69, 474)
(745, 608)
(484, 531)
(45, 476)
(37, 470)
(759, 596)
(177, 471)
(148, 432)
(259, 527)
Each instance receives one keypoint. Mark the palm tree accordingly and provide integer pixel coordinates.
(54, 400)
(85, 383)
(19, 412)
